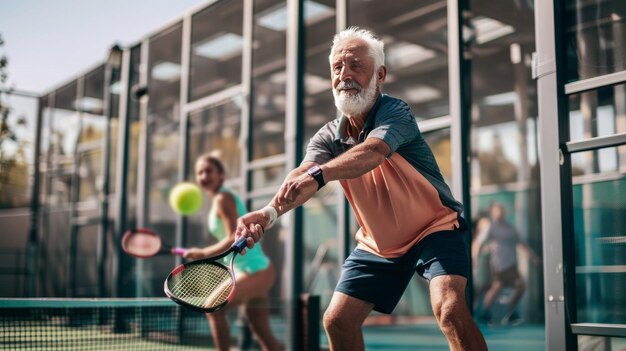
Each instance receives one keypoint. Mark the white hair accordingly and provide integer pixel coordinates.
(376, 46)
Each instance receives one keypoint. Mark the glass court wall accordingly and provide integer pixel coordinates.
(595, 66)
(218, 80)
(19, 115)
(584, 171)
(500, 41)
(71, 165)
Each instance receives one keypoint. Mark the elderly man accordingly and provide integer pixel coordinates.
(409, 221)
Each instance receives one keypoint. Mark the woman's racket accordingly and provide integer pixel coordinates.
(144, 243)
(204, 285)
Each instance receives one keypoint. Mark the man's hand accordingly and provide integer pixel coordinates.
(251, 226)
(300, 187)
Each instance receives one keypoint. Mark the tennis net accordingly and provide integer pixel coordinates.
(100, 324)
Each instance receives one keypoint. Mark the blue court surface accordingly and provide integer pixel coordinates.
(427, 336)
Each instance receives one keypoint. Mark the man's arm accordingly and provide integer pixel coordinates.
(254, 224)
(293, 182)
(298, 187)
(356, 161)
(351, 164)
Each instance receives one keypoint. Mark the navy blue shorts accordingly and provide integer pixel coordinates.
(382, 281)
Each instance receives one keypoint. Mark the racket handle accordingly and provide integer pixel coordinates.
(179, 251)
(239, 245)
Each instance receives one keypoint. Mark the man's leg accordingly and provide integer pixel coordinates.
(447, 296)
(343, 320)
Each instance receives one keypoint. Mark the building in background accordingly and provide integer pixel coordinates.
(522, 102)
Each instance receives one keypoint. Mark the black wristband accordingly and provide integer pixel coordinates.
(316, 173)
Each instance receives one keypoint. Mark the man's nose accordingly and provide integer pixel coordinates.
(345, 74)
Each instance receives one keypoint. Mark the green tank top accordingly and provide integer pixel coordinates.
(254, 260)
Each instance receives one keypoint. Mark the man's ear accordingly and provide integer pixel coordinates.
(382, 74)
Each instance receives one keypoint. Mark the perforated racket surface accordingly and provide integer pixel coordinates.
(144, 243)
(204, 285)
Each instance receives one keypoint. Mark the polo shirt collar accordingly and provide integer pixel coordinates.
(341, 135)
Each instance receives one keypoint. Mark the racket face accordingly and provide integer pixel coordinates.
(141, 243)
(204, 286)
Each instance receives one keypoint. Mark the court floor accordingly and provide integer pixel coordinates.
(426, 336)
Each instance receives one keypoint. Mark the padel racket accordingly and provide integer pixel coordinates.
(144, 243)
(204, 285)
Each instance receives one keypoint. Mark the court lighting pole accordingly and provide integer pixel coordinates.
(111, 70)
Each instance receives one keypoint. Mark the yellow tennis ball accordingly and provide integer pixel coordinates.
(185, 198)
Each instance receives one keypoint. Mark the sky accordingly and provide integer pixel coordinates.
(49, 42)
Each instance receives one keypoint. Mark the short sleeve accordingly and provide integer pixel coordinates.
(319, 148)
(395, 125)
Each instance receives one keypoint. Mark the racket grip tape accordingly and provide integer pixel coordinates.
(240, 244)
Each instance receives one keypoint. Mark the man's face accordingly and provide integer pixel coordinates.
(354, 81)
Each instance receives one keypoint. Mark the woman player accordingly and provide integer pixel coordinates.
(255, 274)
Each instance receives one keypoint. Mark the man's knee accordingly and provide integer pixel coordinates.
(452, 316)
(448, 302)
(338, 322)
(450, 313)
(345, 314)
(331, 320)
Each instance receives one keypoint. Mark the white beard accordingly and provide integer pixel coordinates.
(355, 104)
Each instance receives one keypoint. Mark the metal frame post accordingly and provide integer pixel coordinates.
(32, 251)
(459, 82)
(183, 144)
(550, 105)
(111, 69)
(121, 196)
(294, 131)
